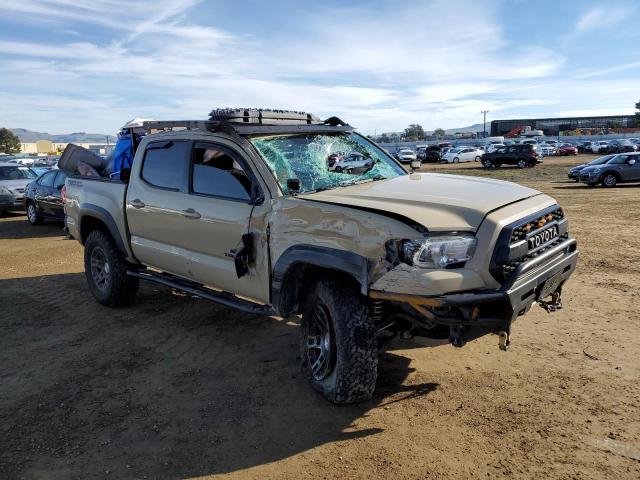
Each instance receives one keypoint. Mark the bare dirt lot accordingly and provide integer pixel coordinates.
(176, 387)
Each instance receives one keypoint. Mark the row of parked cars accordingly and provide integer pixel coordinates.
(622, 145)
(608, 170)
(38, 190)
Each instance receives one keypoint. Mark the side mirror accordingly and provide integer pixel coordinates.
(293, 185)
(415, 164)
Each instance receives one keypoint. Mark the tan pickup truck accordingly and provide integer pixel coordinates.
(249, 209)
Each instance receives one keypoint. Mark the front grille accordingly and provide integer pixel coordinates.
(512, 249)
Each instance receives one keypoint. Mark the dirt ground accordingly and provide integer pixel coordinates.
(176, 387)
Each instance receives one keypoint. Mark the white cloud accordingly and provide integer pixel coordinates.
(602, 17)
(379, 69)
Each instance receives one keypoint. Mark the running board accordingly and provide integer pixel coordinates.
(223, 298)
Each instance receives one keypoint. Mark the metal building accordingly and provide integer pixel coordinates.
(553, 126)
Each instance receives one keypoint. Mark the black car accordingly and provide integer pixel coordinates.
(43, 197)
(523, 155)
(432, 154)
(620, 146)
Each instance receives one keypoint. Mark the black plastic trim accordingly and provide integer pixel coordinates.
(350, 263)
(91, 210)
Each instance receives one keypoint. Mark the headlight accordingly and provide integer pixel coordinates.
(5, 191)
(595, 171)
(439, 251)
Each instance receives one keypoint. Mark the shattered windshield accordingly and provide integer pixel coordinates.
(324, 161)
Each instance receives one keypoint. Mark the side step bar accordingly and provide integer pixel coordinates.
(223, 298)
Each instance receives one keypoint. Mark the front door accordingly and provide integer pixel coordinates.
(220, 197)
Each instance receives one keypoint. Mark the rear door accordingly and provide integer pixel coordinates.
(155, 207)
(57, 207)
(44, 194)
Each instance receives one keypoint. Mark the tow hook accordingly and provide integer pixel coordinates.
(552, 305)
(504, 340)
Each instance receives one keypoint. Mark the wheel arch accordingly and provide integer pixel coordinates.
(93, 217)
(299, 265)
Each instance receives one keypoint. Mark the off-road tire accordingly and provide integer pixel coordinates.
(119, 288)
(352, 376)
(32, 214)
(609, 180)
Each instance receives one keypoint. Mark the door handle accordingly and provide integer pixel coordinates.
(190, 213)
(136, 203)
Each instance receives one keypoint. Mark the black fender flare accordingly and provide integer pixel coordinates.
(99, 213)
(350, 263)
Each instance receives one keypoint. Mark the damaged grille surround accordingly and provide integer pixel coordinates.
(512, 248)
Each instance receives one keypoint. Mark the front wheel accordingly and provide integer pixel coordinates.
(106, 271)
(338, 342)
(32, 215)
(609, 180)
(487, 163)
(456, 160)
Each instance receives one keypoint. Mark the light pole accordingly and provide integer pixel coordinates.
(484, 123)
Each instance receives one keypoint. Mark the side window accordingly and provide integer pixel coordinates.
(60, 178)
(217, 172)
(164, 164)
(47, 179)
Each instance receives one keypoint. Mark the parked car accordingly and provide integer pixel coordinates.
(622, 168)
(406, 155)
(491, 147)
(547, 150)
(43, 197)
(566, 149)
(363, 259)
(574, 172)
(457, 155)
(620, 146)
(433, 154)
(13, 180)
(600, 146)
(523, 155)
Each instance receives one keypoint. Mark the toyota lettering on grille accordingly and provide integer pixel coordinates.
(541, 238)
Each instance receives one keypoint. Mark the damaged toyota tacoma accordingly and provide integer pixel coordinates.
(245, 209)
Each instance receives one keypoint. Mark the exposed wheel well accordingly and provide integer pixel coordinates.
(298, 280)
(89, 224)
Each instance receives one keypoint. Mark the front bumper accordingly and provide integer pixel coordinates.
(11, 202)
(473, 314)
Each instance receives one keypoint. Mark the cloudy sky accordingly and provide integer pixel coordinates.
(90, 65)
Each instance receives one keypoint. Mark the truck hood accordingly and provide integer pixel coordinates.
(439, 202)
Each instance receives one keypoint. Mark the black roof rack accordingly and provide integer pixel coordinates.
(247, 121)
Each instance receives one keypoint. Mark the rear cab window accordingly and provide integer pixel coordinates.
(164, 164)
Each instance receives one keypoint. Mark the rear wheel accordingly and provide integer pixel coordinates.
(609, 180)
(522, 164)
(477, 159)
(338, 342)
(32, 214)
(106, 271)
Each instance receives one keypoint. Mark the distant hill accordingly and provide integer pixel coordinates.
(28, 136)
(477, 127)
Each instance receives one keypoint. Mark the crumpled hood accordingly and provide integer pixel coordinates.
(439, 202)
(13, 184)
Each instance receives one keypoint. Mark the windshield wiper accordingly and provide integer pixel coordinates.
(364, 180)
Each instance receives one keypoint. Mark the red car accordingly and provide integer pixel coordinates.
(567, 149)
